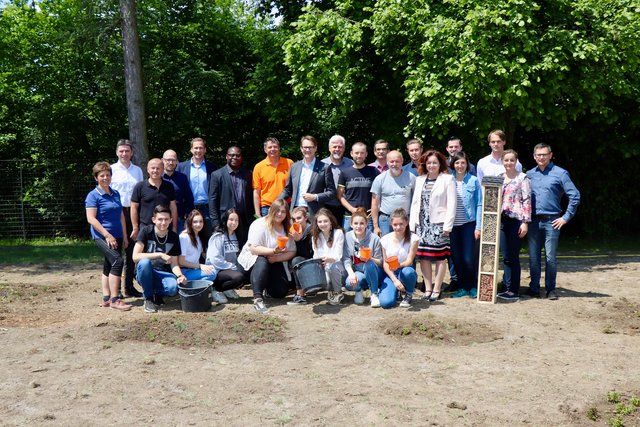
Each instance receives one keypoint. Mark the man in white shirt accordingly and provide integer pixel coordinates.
(491, 165)
(310, 181)
(124, 177)
(337, 162)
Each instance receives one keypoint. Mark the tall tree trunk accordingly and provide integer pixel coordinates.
(133, 81)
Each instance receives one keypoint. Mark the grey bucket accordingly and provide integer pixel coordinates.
(310, 275)
(195, 295)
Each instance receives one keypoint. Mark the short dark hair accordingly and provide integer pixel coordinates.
(161, 209)
(541, 146)
(310, 138)
(101, 166)
(126, 142)
(459, 156)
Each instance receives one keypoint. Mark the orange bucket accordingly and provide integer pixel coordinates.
(282, 241)
(393, 263)
(365, 253)
(295, 228)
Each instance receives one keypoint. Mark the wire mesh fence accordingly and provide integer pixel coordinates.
(43, 200)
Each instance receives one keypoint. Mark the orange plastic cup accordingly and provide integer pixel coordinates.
(282, 241)
(365, 253)
(393, 263)
(295, 227)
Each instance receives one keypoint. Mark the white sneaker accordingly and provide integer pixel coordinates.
(358, 298)
(231, 294)
(219, 297)
(375, 301)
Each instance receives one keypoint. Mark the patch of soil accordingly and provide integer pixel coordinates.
(620, 316)
(429, 328)
(201, 329)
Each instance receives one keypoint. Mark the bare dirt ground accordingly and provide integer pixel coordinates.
(66, 361)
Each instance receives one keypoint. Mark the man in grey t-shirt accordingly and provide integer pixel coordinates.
(390, 190)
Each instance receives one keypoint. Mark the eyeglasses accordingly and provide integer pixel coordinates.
(542, 154)
(308, 148)
(170, 160)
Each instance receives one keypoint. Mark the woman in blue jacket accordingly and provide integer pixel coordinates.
(466, 226)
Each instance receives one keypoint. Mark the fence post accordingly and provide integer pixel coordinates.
(24, 222)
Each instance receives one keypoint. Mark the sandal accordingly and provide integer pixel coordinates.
(434, 296)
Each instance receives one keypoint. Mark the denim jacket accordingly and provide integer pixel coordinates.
(472, 199)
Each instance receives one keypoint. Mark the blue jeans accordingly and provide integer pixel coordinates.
(368, 275)
(154, 281)
(511, 257)
(388, 291)
(542, 232)
(384, 223)
(197, 274)
(346, 224)
(463, 242)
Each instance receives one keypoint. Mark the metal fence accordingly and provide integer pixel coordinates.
(43, 201)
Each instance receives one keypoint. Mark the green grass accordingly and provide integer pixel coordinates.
(50, 250)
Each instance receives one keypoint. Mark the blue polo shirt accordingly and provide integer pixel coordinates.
(109, 209)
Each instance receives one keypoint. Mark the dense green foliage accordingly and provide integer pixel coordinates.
(562, 71)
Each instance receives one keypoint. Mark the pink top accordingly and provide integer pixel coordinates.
(516, 198)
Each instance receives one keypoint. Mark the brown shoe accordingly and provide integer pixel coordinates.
(106, 303)
(120, 305)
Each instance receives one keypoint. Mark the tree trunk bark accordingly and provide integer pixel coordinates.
(133, 82)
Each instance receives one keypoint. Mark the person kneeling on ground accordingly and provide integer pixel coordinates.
(222, 254)
(265, 258)
(401, 278)
(156, 255)
(362, 259)
(301, 233)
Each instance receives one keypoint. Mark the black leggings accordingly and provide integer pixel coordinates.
(271, 277)
(113, 262)
(230, 279)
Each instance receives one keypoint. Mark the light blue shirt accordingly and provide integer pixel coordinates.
(547, 189)
(198, 183)
(305, 180)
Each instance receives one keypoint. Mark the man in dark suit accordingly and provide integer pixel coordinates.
(310, 182)
(230, 187)
(198, 170)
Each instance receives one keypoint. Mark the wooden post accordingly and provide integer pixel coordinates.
(490, 239)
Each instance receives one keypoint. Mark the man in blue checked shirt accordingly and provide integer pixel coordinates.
(548, 184)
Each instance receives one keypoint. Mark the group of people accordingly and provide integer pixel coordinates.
(366, 225)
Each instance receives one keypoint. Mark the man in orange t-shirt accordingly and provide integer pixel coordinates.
(269, 177)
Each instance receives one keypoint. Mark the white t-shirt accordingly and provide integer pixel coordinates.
(191, 253)
(400, 251)
(488, 166)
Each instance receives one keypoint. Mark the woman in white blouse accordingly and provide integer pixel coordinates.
(265, 260)
(192, 251)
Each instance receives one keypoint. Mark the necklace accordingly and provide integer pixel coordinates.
(165, 239)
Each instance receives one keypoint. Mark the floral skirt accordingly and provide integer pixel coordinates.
(434, 244)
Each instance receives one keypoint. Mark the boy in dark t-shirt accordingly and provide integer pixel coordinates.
(156, 254)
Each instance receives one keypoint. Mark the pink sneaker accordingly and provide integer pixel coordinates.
(120, 305)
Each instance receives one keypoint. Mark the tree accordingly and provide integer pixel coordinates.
(133, 80)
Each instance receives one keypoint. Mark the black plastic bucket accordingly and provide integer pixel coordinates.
(311, 276)
(195, 295)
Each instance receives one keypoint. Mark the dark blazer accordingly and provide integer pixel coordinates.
(221, 197)
(184, 198)
(185, 168)
(321, 184)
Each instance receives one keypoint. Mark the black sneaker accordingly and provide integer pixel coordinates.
(532, 294)
(158, 300)
(297, 300)
(132, 292)
(508, 296)
(552, 295)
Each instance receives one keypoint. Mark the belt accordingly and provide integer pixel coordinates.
(545, 217)
(202, 206)
(382, 213)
